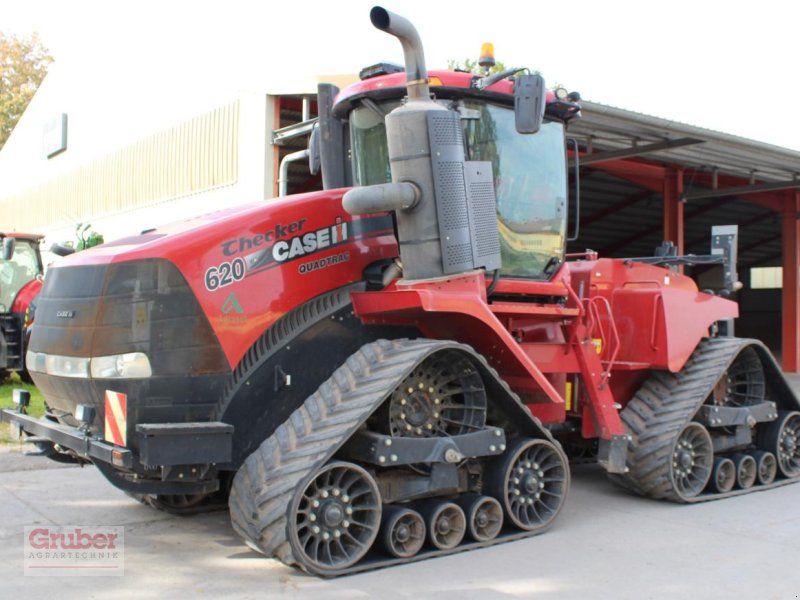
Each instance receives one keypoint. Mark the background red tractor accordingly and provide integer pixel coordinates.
(21, 272)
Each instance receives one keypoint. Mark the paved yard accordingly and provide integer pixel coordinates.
(606, 544)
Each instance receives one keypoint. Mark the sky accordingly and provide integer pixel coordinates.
(729, 66)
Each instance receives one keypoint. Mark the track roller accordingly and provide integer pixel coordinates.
(484, 516)
(782, 438)
(746, 470)
(723, 475)
(402, 531)
(446, 523)
(336, 517)
(766, 466)
(530, 480)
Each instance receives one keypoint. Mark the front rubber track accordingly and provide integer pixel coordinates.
(265, 486)
(666, 402)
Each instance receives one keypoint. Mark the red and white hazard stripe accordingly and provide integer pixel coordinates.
(116, 418)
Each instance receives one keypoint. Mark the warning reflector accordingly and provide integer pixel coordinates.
(116, 410)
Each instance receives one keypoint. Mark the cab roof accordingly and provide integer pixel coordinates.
(444, 84)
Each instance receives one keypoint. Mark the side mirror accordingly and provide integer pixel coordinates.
(9, 243)
(61, 250)
(529, 103)
(314, 154)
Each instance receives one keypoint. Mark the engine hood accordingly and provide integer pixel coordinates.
(176, 240)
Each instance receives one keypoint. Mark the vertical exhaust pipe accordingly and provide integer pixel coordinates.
(402, 29)
(426, 154)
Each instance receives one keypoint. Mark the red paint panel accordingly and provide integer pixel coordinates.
(249, 265)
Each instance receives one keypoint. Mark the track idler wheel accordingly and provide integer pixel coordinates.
(484, 516)
(446, 523)
(723, 476)
(782, 438)
(530, 480)
(692, 460)
(766, 466)
(746, 470)
(402, 531)
(336, 518)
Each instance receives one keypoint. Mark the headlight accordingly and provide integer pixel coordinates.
(66, 366)
(121, 366)
(35, 361)
(132, 365)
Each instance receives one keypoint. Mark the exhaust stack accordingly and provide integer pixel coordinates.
(413, 55)
(445, 217)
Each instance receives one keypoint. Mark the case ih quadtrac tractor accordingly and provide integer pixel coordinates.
(389, 372)
(20, 283)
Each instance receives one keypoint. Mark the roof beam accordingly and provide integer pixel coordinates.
(616, 207)
(598, 157)
(793, 184)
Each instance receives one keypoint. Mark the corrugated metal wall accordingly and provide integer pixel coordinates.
(196, 156)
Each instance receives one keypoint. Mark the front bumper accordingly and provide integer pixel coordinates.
(83, 444)
(171, 457)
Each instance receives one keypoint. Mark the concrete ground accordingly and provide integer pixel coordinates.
(605, 544)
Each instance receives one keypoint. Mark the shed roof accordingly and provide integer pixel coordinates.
(605, 128)
(621, 218)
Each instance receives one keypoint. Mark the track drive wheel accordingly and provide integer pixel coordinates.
(335, 518)
(692, 460)
(782, 438)
(531, 481)
(444, 395)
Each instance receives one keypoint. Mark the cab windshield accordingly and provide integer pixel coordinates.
(529, 179)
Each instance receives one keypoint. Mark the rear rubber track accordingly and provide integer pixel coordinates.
(660, 409)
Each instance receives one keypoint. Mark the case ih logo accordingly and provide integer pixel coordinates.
(277, 246)
(76, 551)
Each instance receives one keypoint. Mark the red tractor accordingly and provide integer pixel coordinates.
(390, 369)
(21, 272)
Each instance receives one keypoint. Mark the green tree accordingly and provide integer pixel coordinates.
(23, 65)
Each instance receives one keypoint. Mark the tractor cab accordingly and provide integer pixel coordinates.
(20, 264)
(529, 170)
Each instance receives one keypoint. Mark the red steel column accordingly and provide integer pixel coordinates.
(673, 207)
(790, 339)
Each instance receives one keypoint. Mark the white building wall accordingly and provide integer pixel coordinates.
(126, 142)
(124, 169)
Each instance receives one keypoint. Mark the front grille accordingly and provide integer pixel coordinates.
(137, 306)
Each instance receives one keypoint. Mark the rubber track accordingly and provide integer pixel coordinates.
(266, 484)
(660, 409)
